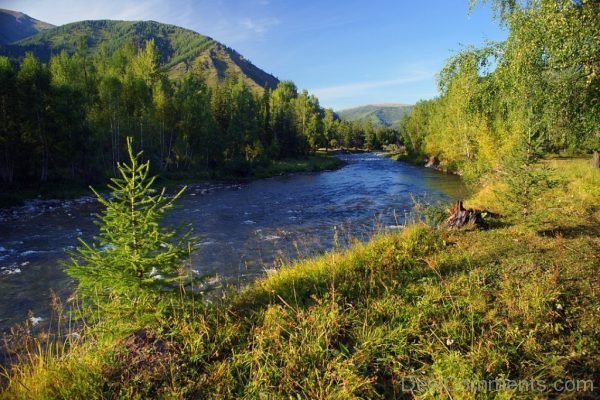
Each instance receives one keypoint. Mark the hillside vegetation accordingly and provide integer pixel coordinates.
(386, 115)
(178, 49)
(15, 26)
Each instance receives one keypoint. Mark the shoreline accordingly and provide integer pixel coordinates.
(421, 162)
(13, 201)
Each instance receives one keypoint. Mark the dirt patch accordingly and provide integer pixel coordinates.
(145, 360)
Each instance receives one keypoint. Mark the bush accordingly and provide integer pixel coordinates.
(526, 179)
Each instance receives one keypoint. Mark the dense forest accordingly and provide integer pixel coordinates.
(68, 120)
(536, 93)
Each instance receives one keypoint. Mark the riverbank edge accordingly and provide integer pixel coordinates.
(420, 160)
(518, 302)
(318, 162)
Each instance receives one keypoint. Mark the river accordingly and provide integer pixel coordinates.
(242, 230)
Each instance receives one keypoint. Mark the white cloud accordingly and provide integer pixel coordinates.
(259, 26)
(357, 89)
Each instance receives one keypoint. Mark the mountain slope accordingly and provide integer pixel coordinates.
(178, 48)
(387, 114)
(15, 26)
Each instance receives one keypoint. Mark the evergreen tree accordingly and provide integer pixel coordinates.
(33, 86)
(196, 124)
(370, 138)
(135, 262)
(10, 140)
(329, 128)
(526, 179)
(266, 134)
(282, 118)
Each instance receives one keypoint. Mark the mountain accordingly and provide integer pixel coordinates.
(15, 26)
(386, 114)
(178, 48)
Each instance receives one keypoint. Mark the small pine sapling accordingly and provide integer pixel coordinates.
(135, 263)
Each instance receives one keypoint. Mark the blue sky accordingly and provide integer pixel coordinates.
(347, 52)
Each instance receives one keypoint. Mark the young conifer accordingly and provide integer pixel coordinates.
(525, 177)
(135, 262)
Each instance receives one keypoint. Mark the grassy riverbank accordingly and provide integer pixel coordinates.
(314, 163)
(409, 158)
(320, 161)
(520, 301)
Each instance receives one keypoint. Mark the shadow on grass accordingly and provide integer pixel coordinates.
(571, 232)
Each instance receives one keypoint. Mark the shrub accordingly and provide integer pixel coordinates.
(526, 179)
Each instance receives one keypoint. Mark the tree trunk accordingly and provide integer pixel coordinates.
(596, 159)
(460, 216)
(45, 150)
(432, 162)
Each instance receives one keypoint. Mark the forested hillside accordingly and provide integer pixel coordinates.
(386, 114)
(505, 104)
(15, 26)
(178, 49)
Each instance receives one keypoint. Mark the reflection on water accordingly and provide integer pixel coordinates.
(242, 230)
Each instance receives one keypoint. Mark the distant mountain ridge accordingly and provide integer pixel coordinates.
(15, 26)
(178, 48)
(383, 114)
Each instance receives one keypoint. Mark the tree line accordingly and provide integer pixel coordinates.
(537, 92)
(68, 120)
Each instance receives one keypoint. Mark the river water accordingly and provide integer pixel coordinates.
(242, 230)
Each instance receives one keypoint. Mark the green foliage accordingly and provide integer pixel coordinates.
(308, 122)
(8, 119)
(33, 92)
(434, 213)
(541, 82)
(70, 117)
(414, 127)
(525, 180)
(372, 127)
(135, 261)
(178, 49)
(329, 128)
